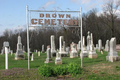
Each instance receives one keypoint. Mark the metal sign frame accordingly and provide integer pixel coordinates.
(28, 20)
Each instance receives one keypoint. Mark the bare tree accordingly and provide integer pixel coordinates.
(110, 9)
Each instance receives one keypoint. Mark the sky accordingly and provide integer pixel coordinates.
(13, 12)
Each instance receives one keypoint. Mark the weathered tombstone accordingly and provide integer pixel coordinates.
(67, 49)
(19, 53)
(64, 45)
(38, 53)
(78, 46)
(32, 57)
(58, 59)
(97, 46)
(23, 49)
(112, 54)
(88, 41)
(61, 48)
(73, 52)
(85, 52)
(11, 52)
(43, 49)
(53, 51)
(92, 52)
(100, 45)
(107, 46)
(6, 45)
(48, 59)
(2, 52)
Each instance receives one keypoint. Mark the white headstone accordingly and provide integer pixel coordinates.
(11, 52)
(61, 48)
(48, 59)
(112, 54)
(73, 52)
(43, 49)
(19, 53)
(38, 53)
(53, 51)
(92, 52)
(107, 46)
(85, 52)
(6, 58)
(88, 41)
(58, 59)
(100, 44)
(79, 46)
(32, 58)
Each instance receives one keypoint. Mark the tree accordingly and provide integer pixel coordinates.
(110, 9)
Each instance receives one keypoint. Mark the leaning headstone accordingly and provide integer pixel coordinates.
(88, 41)
(107, 46)
(112, 54)
(58, 59)
(19, 53)
(53, 51)
(100, 45)
(61, 48)
(38, 53)
(73, 52)
(32, 58)
(48, 59)
(92, 52)
(85, 51)
(43, 49)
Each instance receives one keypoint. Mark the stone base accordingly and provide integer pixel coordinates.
(112, 58)
(19, 56)
(58, 61)
(63, 54)
(73, 54)
(85, 53)
(92, 54)
(48, 60)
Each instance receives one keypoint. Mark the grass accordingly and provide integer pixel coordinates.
(93, 69)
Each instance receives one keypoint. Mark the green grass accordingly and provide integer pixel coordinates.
(93, 69)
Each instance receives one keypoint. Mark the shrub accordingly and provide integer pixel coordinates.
(60, 70)
(74, 68)
(45, 70)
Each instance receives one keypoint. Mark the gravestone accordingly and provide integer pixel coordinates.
(43, 49)
(58, 59)
(53, 51)
(97, 46)
(112, 54)
(38, 53)
(32, 57)
(88, 41)
(67, 49)
(73, 52)
(19, 53)
(100, 45)
(78, 46)
(23, 49)
(11, 52)
(62, 51)
(92, 52)
(48, 59)
(85, 52)
(107, 46)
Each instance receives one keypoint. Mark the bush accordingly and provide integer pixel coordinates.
(74, 68)
(60, 70)
(45, 70)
